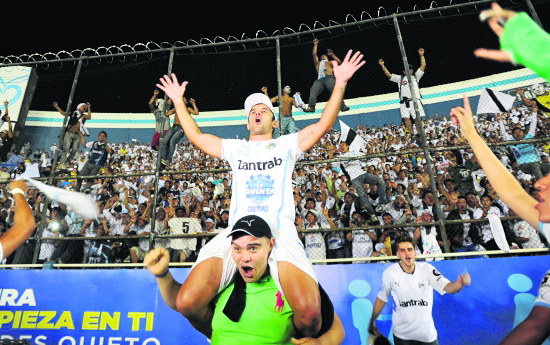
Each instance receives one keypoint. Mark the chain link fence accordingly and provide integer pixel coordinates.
(393, 165)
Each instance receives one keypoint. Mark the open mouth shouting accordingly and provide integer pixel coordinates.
(247, 271)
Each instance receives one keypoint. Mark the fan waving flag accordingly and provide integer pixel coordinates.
(492, 102)
(79, 203)
(354, 141)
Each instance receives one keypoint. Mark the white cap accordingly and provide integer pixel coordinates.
(257, 98)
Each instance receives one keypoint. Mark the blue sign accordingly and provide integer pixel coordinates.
(123, 306)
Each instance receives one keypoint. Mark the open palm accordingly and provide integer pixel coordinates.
(350, 64)
(171, 87)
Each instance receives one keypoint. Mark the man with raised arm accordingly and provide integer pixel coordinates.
(75, 125)
(406, 107)
(325, 77)
(262, 185)
(286, 104)
(23, 221)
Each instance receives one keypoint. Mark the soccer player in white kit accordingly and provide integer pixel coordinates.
(411, 285)
(262, 173)
(406, 107)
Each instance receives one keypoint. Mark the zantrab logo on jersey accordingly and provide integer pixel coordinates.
(260, 165)
(259, 188)
(413, 302)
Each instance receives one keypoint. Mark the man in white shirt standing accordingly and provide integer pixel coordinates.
(405, 98)
(411, 285)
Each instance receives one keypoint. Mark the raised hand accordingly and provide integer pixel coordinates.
(496, 16)
(343, 72)
(463, 118)
(381, 62)
(172, 88)
(157, 260)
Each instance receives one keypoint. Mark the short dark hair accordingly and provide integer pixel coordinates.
(403, 239)
(426, 192)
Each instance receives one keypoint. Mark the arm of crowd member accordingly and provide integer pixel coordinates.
(521, 39)
(333, 336)
(441, 187)
(152, 100)
(56, 106)
(89, 115)
(533, 330)
(331, 54)
(194, 110)
(6, 107)
(532, 126)
(147, 213)
(23, 222)
(208, 143)
(525, 100)
(504, 183)
(272, 99)
(386, 72)
(82, 141)
(503, 132)
(422, 59)
(460, 282)
(156, 261)
(84, 226)
(308, 136)
(315, 58)
(10, 130)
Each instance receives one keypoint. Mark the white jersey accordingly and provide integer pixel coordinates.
(412, 296)
(184, 225)
(361, 244)
(262, 179)
(543, 296)
(404, 89)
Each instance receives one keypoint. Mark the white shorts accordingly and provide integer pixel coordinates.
(288, 248)
(409, 112)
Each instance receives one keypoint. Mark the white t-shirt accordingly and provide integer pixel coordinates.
(262, 179)
(404, 87)
(412, 295)
(315, 244)
(361, 244)
(183, 225)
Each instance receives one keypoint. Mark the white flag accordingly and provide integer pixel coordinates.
(492, 102)
(354, 141)
(79, 203)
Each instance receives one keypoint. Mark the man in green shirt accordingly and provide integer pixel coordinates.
(251, 310)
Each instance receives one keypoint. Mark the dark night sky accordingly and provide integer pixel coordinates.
(222, 80)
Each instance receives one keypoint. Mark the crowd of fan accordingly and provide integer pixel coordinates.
(198, 203)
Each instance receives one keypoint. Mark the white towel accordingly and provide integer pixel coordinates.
(299, 102)
(498, 232)
(322, 68)
(79, 203)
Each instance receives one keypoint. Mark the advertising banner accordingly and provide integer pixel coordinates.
(123, 306)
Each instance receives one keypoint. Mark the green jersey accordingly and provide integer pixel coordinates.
(261, 321)
(527, 44)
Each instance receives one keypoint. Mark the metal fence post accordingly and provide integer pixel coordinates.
(279, 84)
(420, 129)
(55, 159)
(157, 169)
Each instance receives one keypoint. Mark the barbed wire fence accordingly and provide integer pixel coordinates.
(118, 82)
